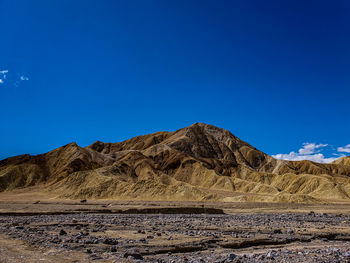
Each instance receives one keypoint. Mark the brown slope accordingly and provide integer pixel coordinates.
(199, 162)
(27, 170)
(22, 171)
(136, 143)
(187, 160)
(211, 159)
(201, 141)
(132, 176)
(343, 161)
(309, 167)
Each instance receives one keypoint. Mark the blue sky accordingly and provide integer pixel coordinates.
(274, 73)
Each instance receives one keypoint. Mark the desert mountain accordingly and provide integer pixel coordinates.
(343, 160)
(199, 162)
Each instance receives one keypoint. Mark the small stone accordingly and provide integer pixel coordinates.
(113, 249)
(134, 255)
(62, 232)
(290, 231)
(110, 241)
(277, 231)
(270, 255)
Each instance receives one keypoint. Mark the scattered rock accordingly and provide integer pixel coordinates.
(277, 231)
(110, 241)
(134, 255)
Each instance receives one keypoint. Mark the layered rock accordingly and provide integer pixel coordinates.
(199, 162)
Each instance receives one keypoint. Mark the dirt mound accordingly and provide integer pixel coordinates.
(199, 162)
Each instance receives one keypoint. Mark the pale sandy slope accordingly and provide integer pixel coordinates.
(200, 162)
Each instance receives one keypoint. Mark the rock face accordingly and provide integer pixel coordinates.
(199, 162)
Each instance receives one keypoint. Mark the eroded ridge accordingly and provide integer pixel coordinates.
(197, 163)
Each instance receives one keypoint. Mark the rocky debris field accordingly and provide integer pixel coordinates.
(259, 237)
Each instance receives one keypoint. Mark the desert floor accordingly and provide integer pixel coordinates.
(36, 227)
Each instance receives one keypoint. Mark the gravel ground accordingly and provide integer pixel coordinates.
(263, 237)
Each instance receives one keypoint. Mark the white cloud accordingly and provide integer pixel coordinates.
(4, 72)
(292, 156)
(13, 79)
(309, 151)
(345, 149)
(310, 148)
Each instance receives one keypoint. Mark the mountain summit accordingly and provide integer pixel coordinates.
(199, 162)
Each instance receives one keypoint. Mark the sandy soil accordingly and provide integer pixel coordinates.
(34, 200)
(156, 231)
(13, 250)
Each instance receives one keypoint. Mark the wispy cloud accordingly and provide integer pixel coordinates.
(310, 148)
(312, 152)
(11, 79)
(3, 75)
(4, 71)
(345, 149)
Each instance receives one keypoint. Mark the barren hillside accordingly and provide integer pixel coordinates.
(199, 162)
